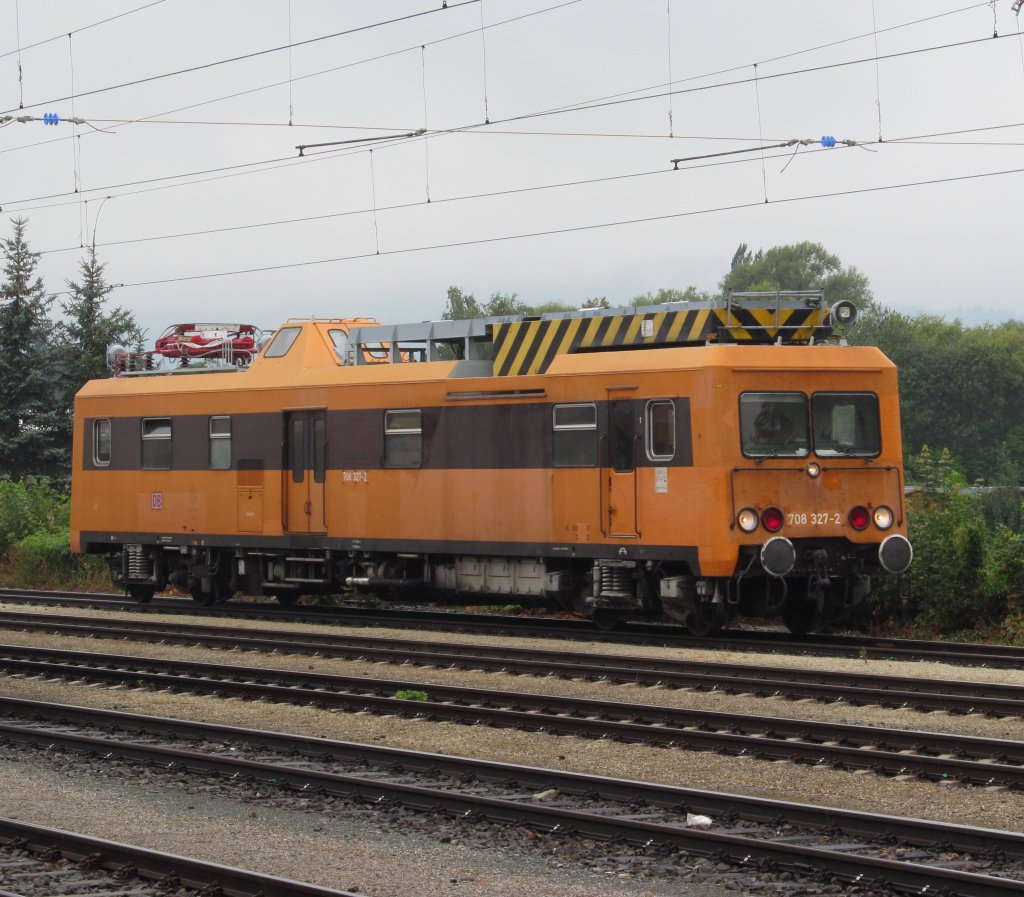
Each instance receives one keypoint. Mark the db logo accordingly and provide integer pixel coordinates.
(157, 501)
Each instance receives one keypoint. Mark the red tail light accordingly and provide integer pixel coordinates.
(859, 517)
(771, 519)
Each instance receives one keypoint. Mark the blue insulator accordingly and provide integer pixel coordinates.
(828, 141)
(51, 118)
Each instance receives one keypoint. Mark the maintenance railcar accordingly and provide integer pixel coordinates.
(678, 461)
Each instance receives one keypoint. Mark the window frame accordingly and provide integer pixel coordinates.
(649, 429)
(832, 453)
(573, 428)
(157, 439)
(807, 424)
(390, 434)
(219, 439)
(97, 460)
(281, 342)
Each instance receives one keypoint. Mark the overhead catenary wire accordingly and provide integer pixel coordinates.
(912, 140)
(454, 4)
(426, 143)
(76, 148)
(222, 169)
(585, 104)
(17, 31)
(483, 47)
(878, 76)
(291, 105)
(490, 194)
(614, 99)
(63, 34)
(478, 241)
(153, 118)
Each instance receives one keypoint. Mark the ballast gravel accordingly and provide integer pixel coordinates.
(228, 832)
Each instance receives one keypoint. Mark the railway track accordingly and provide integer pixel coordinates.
(891, 752)
(39, 862)
(817, 645)
(951, 695)
(757, 836)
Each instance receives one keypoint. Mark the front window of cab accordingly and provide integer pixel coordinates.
(846, 424)
(774, 425)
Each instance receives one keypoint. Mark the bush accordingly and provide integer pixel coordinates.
(44, 560)
(30, 506)
(954, 585)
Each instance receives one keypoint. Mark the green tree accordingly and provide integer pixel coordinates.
(460, 306)
(85, 334)
(596, 302)
(948, 579)
(505, 304)
(960, 387)
(30, 421)
(551, 306)
(671, 294)
(798, 266)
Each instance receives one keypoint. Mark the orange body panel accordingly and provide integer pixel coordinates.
(548, 510)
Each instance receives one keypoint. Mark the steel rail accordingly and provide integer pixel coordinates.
(155, 866)
(960, 696)
(816, 644)
(937, 756)
(740, 849)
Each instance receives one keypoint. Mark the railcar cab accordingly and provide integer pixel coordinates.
(690, 460)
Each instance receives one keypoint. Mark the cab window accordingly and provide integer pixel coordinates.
(846, 424)
(101, 442)
(774, 425)
(284, 338)
(156, 443)
(575, 435)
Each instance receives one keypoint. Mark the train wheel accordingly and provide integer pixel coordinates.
(799, 614)
(203, 599)
(707, 619)
(607, 620)
(142, 594)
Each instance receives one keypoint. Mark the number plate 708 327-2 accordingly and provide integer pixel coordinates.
(815, 518)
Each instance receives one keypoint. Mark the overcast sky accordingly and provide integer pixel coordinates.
(580, 203)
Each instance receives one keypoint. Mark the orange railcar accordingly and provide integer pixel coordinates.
(667, 461)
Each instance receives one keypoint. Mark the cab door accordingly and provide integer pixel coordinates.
(623, 433)
(306, 473)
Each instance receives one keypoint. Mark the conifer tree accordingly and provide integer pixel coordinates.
(88, 331)
(29, 420)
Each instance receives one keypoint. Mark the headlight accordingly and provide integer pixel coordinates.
(883, 517)
(747, 519)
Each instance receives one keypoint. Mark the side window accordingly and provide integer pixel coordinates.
(403, 438)
(623, 436)
(297, 449)
(340, 340)
(319, 450)
(220, 443)
(282, 342)
(101, 442)
(661, 430)
(156, 443)
(575, 435)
